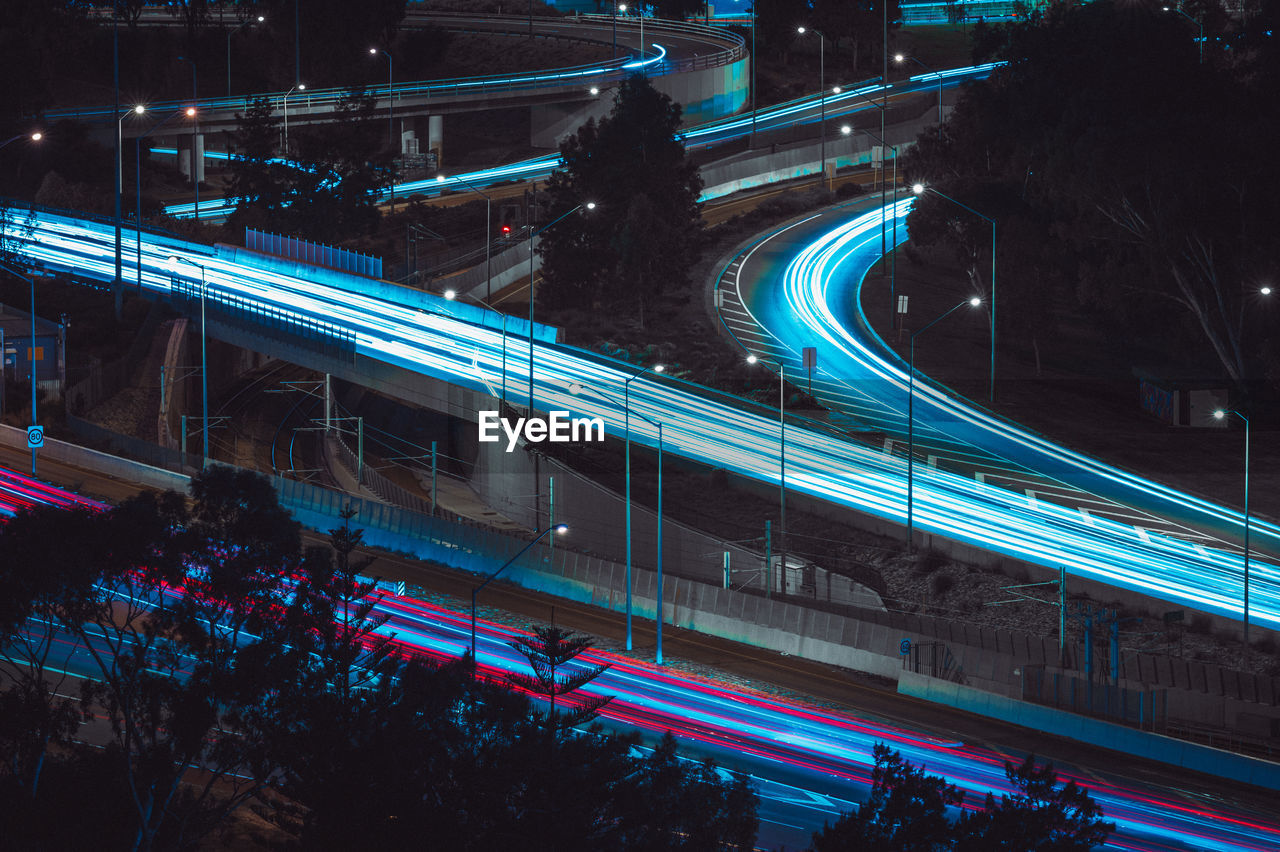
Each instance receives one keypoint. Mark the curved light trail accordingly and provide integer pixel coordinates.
(716, 429)
(807, 764)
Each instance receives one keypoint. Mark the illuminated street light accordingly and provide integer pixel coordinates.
(137, 110)
(174, 261)
(900, 58)
(782, 473)
(1221, 414)
(559, 529)
(301, 87)
(920, 189)
(1199, 24)
(258, 20)
(911, 420)
(822, 96)
(533, 235)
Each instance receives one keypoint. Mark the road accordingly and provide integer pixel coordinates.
(810, 761)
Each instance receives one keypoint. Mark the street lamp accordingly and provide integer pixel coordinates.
(32, 137)
(195, 133)
(626, 419)
(174, 260)
(900, 58)
(1220, 414)
(391, 116)
(893, 264)
(782, 472)
(1199, 24)
(589, 205)
(911, 420)
(138, 110)
(190, 112)
(576, 389)
(560, 529)
(31, 282)
(920, 189)
(488, 219)
(822, 97)
(301, 87)
(230, 33)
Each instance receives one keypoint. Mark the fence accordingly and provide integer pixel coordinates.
(315, 336)
(1142, 708)
(317, 253)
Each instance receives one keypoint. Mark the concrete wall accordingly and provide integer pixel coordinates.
(1175, 752)
(708, 93)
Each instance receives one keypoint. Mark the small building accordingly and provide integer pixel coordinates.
(20, 353)
(1181, 397)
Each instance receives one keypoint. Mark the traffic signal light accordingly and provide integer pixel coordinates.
(506, 230)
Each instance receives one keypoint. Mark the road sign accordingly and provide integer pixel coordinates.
(904, 647)
(35, 437)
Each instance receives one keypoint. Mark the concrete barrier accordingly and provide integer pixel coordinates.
(1180, 753)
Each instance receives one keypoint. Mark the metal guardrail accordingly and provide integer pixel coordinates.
(579, 75)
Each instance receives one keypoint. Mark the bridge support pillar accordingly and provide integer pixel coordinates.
(423, 137)
(186, 142)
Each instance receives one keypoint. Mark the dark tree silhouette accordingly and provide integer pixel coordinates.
(548, 651)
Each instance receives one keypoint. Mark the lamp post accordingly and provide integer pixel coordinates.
(1199, 24)
(391, 116)
(196, 161)
(230, 33)
(626, 420)
(900, 58)
(560, 529)
(1220, 414)
(31, 282)
(782, 472)
(911, 419)
(822, 97)
(920, 189)
(301, 87)
(174, 260)
(590, 205)
(893, 264)
(137, 189)
(33, 137)
(138, 110)
(488, 219)
(576, 389)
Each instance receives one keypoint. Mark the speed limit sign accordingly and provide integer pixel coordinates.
(35, 437)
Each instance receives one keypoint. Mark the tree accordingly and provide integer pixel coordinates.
(1096, 126)
(907, 811)
(260, 183)
(1038, 816)
(643, 233)
(548, 650)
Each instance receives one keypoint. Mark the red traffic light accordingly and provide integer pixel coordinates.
(506, 230)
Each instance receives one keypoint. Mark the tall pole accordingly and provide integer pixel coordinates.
(232, 32)
(31, 282)
(204, 368)
(753, 72)
(560, 529)
(626, 421)
(301, 87)
(196, 161)
(533, 236)
(911, 419)
(919, 189)
(658, 656)
(782, 467)
(297, 52)
(118, 286)
(1221, 413)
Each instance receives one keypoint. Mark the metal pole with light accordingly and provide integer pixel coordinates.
(1199, 24)
(782, 471)
(488, 219)
(560, 529)
(901, 57)
(911, 419)
(138, 110)
(391, 116)
(893, 265)
(1220, 414)
(920, 189)
(626, 419)
(301, 87)
(590, 205)
(190, 112)
(577, 389)
(204, 354)
(196, 160)
(230, 33)
(31, 282)
(822, 96)
(34, 137)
